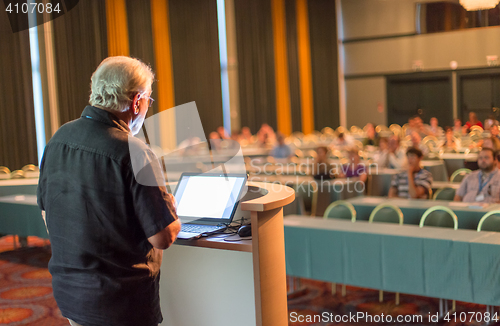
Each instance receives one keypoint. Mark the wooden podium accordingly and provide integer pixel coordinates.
(211, 281)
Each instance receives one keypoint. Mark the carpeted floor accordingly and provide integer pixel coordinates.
(26, 297)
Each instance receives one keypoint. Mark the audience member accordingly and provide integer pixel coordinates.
(372, 138)
(322, 169)
(245, 134)
(281, 150)
(354, 168)
(482, 185)
(416, 141)
(415, 182)
(343, 141)
(490, 122)
(434, 128)
(473, 121)
(458, 129)
(451, 143)
(393, 157)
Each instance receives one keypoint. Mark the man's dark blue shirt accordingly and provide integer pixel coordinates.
(99, 218)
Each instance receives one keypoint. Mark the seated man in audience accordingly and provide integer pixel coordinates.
(482, 185)
(281, 150)
(415, 182)
(458, 129)
(393, 157)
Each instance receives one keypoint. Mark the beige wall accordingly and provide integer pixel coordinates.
(364, 109)
(369, 18)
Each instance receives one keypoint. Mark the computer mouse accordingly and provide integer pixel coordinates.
(245, 231)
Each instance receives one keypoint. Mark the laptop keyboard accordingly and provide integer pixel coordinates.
(195, 228)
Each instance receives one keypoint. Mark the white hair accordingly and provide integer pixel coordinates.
(117, 80)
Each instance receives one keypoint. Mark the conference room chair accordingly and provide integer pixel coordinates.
(343, 210)
(395, 128)
(386, 213)
(4, 172)
(444, 194)
(490, 222)
(459, 175)
(17, 174)
(340, 209)
(440, 216)
(380, 128)
(341, 130)
(355, 130)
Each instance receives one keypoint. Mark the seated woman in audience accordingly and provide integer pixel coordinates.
(415, 182)
(354, 168)
(473, 121)
(281, 150)
(322, 169)
(482, 185)
(372, 138)
(451, 144)
(393, 157)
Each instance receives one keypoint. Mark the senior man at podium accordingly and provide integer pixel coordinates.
(107, 229)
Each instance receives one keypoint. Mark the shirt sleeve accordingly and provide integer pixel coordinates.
(152, 205)
(425, 180)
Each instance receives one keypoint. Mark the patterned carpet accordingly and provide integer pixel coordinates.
(25, 285)
(316, 298)
(26, 296)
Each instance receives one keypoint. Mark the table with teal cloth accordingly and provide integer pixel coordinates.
(19, 214)
(430, 261)
(18, 186)
(468, 214)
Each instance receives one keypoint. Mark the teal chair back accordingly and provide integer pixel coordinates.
(386, 213)
(490, 222)
(341, 210)
(439, 216)
(459, 175)
(445, 194)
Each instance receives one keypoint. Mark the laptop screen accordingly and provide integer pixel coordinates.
(208, 197)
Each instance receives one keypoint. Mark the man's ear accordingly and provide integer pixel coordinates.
(135, 103)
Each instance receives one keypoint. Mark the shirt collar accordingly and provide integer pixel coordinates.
(94, 113)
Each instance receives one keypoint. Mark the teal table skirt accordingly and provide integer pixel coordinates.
(432, 262)
(413, 209)
(23, 218)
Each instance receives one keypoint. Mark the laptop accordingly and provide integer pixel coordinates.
(206, 203)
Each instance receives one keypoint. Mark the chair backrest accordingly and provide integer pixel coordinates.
(340, 209)
(386, 213)
(439, 216)
(445, 194)
(490, 222)
(459, 175)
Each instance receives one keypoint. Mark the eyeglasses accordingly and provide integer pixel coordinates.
(150, 100)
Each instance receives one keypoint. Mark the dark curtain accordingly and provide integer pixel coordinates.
(293, 64)
(80, 45)
(195, 58)
(140, 35)
(254, 38)
(324, 60)
(17, 115)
